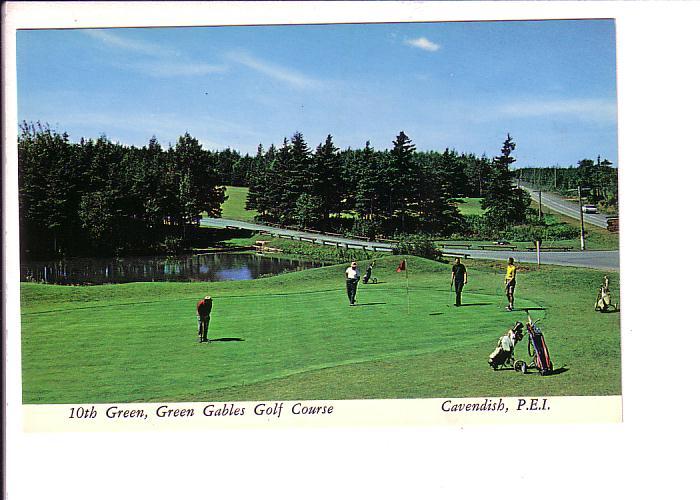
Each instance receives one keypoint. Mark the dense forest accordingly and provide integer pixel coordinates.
(396, 191)
(97, 197)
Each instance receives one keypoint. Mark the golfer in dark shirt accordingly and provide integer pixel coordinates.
(459, 278)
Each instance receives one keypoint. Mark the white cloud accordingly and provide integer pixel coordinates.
(120, 42)
(160, 61)
(584, 109)
(424, 44)
(283, 74)
(168, 69)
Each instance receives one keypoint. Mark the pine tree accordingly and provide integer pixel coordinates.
(230, 169)
(323, 179)
(368, 185)
(47, 187)
(197, 187)
(402, 178)
(436, 179)
(504, 203)
(281, 198)
(296, 174)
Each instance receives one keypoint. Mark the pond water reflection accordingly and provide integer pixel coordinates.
(222, 266)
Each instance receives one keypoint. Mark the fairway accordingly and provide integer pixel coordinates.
(234, 206)
(469, 206)
(295, 337)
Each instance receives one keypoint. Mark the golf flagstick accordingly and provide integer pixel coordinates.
(404, 267)
(408, 299)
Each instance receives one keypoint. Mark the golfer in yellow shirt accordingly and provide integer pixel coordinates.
(510, 283)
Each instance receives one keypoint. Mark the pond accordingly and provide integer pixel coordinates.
(220, 266)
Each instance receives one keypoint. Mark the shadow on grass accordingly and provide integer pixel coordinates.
(526, 309)
(227, 339)
(476, 304)
(371, 304)
(610, 311)
(534, 371)
(435, 314)
(557, 371)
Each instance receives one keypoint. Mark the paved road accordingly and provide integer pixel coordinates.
(559, 204)
(607, 260)
(291, 233)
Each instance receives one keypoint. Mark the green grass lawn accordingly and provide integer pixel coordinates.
(469, 206)
(597, 238)
(234, 207)
(294, 336)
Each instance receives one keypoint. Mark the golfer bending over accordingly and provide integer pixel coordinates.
(459, 278)
(510, 283)
(352, 276)
(203, 313)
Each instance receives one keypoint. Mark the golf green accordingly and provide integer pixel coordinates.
(295, 336)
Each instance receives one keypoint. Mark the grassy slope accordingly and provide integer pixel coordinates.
(300, 340)
(234, 207)
(469, 206)
(597, 238)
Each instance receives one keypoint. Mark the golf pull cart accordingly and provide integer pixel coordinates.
(502, 356)
(603, 301)
(367, 278)
(537, 349)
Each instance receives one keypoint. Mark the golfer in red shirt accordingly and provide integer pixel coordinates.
(203, 313)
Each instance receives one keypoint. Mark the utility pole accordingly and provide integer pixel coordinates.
(580, 213)
(540, 196)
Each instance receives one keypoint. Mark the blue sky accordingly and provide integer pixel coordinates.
(463, 86)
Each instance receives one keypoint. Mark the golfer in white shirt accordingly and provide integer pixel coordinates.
(352, 277)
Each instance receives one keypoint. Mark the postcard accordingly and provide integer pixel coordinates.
(321, 218)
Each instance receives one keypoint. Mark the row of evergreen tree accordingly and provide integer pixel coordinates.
(100, 197)
(400, 190)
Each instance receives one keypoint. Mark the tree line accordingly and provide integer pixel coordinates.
(98, 197)
(597, 178)
(390, 192)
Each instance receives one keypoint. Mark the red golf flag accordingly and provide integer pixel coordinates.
(402, 266)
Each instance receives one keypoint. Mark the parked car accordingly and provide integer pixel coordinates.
(589, 209)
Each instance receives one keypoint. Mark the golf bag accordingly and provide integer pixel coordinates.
(503, 354)
(603, 302)
(537, 348)
(500, 357)
(368, 275)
